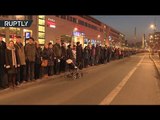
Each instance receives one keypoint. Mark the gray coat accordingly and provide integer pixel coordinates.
(20, 49)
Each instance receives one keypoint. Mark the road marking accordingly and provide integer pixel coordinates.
(109, 98)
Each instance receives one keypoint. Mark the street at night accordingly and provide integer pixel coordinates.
(79, 60)
(133, 80)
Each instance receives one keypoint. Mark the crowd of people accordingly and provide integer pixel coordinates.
(19, 63)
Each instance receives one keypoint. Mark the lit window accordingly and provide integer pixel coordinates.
(41, 41)
(41, 28)
(41, 35)
(41, 22)
(41, 16)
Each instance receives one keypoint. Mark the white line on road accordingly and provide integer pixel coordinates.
(109, 98)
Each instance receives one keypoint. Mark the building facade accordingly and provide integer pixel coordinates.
(154, 40)
(69, 28)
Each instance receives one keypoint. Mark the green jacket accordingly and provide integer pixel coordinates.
(30, 52)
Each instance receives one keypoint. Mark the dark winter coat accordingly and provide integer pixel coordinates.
(45, 54)
(2, 54)
(64, 52)
(86, 53)
(93, 51)
(38, 55)
(51, 57)
(9, 63)
(69, 54)
(79, 53)
(98, 51)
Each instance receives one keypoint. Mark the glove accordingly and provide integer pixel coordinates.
(8, 66)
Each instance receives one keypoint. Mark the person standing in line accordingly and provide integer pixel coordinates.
(93, 53)
(109, 53)
(21, 75)
(86, 56)
(79, 55)
(38, 61)
(63, 58)
(45, 57)
(50, 59)
(58, 54)
(74, 53)
(12, 63)
(2, 62)
(30, 52)
(97, 55)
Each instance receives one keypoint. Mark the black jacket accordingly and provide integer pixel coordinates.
(2, 54)
(64, 52)
(45, 54)
(38, 55)
(69, 54)
(79, 53)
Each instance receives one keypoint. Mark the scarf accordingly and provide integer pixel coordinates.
(14, 61)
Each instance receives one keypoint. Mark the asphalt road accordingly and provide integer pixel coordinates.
(129, 81)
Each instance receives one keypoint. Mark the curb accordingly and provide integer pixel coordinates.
(157, 66)
(35, 82)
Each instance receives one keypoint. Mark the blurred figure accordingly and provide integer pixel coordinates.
(12, 63)
(30, 51)
(38, 61)
(79, 55)
(45, 60)
(109, 53)
(97, 55)
(21, 75)
(58, 54)
(69, 53)
(50, 59)
(74, 52)
(63, 58)
(2, 62)
(86, 56)
(93, 53)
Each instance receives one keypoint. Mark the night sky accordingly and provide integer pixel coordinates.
(127, 24)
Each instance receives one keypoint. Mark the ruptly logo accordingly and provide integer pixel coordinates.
(15, 23)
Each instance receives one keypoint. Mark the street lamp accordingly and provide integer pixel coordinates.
(152, 37)
(153, 27)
